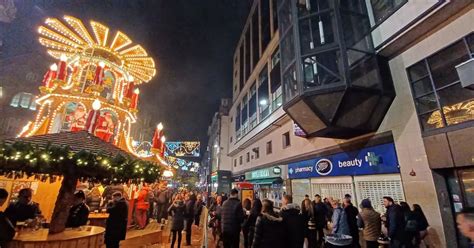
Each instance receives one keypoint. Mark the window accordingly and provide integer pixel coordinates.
(286, 139)
(382, 9)
(275, 15)
(248, 157)
(240, 160)
(230, 139)
(248, 63)
(275, 81)
(263, 100)
(256, 152)
(242, 66)
(24, 100)
(253, 106)
(440, 99)
(255, 39)
(235, 162)
(237, 119)
(269, 147)
(266, 28)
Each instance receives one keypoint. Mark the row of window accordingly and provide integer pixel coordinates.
(24, 100)
(263, 97)
(440, 99)
(286, 142)
(255, 40)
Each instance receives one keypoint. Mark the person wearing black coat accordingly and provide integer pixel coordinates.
(116, 224)
(8, 230)
(247, 205)
(250, 221)
(177, 210)
(24, 208)
(198, 210)
(351, 215)
(269, 229)
(79, 212)
(189, 216)
(310, 232)
(320, 217)
(395, 222)
(293, 222)
(232, 218)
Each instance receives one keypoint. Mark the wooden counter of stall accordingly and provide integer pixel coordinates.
(86, 236)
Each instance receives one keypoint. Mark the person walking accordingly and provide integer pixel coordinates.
(250, 222)
(369, 220)
(177, 211)
(422, 225)
(269, 228)
(116, 223)
(351, 215)
(189, 216)
(8, 230)
(293, 222)
(79, 212)
(339, 219)
(198, 210)
(395, 222)
(215, 211)
(320, 216)
(247, 206)
(232, 218)
(310, 223)
(142, 207)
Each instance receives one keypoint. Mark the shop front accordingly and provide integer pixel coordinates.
(268, 183)
(371, 172)
(221, 181)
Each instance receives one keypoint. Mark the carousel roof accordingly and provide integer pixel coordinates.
(76, 141)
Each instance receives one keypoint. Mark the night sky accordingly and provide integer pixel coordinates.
(192, 42)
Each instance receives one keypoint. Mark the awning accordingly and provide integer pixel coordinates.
(277, 180)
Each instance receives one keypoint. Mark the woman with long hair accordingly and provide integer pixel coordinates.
(215, 222)
(249, 223)
(422, 225)
(247, 205)
(310, 223)
(269, 228)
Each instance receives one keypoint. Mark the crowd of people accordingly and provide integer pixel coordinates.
(307, 224)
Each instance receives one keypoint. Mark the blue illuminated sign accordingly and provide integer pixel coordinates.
(381, 159)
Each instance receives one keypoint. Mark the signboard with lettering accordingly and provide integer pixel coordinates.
(270, 172)
(380, 159)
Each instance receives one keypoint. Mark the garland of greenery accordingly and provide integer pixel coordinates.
(50, 162)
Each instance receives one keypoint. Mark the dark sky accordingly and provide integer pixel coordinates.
(192, 42)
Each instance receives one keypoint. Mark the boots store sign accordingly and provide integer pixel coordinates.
(381, 159)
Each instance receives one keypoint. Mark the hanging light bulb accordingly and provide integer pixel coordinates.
(159, 126)
(102, 64)
(163, 139)
(96, 105)
(63, 57)
(53, 67)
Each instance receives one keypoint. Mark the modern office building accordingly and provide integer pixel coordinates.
(362, 97)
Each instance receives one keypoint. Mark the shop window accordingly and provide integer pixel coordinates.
(382, 9)
(248, 157)
(286, 139)
(439, 98)
(376, 190)
(269, 147)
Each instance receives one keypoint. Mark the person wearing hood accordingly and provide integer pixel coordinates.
(293, 222)
(116, 224)
(269, 229)
(177, 210)
(79, 212)
(369, 220)
(142, 206)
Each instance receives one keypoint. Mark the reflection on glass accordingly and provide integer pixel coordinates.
(467, 178)
(431, 120)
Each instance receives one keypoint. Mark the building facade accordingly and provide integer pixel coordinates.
(215, 158)
(361, 98)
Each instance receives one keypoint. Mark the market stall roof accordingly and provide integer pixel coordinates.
(76, 141)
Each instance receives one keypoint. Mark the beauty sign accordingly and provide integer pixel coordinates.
(380, 159)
